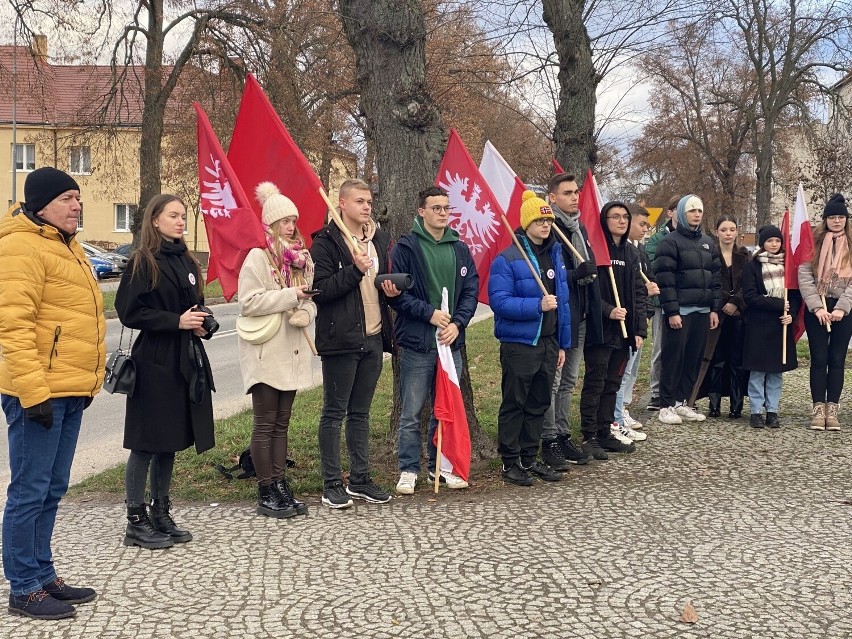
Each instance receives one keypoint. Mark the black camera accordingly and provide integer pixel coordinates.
(209, 324)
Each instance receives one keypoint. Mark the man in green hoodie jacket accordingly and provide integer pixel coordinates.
(436, 259)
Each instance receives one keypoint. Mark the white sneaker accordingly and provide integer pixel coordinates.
(453, 482)
(630, 422)
(689, 414)
(615, 429)
(669, 416)
(632, 435)
(405, 485)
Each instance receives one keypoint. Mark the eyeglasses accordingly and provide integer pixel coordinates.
(618, 218)
(437, 209)
(542, 221)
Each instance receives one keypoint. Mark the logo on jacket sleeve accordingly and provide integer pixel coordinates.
(463, 271)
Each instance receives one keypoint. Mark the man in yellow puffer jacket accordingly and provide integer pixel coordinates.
(52, 353)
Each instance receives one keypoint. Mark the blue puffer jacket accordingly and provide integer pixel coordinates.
(515, 297)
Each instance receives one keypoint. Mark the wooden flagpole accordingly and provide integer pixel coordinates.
(825, 306)
(784, 332)
(617, 300)
(567, 242)
(524, 255)
(335, 216)
(438, 455)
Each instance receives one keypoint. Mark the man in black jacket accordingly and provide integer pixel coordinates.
(557, 447)
(687, 270)
(437, 260)
(353, 330)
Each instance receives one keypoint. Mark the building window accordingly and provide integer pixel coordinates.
(80, 219)
(124, 216)
(81, 160)
(24, 157)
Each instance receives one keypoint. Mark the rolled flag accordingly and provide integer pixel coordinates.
(449, 411)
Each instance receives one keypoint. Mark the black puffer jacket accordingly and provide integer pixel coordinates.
(340, 310)
(687, 271)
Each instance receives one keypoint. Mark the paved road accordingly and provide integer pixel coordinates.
(747, 525)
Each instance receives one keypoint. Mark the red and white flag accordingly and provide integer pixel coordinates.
(449, 411)
(798, 249)
(262, 151)
(232, 227)
(507, 187)
(476, 214)
(590, 204)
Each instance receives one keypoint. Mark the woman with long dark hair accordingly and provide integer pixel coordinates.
(171, 407)
(726, 377)
(826, 286)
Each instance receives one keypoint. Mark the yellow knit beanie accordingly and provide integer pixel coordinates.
(534, 208)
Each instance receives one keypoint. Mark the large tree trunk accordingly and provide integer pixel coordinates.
(153, 116)
(574, 132)
(763, 170)
(403, 126)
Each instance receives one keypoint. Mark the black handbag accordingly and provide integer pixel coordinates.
(120, 376)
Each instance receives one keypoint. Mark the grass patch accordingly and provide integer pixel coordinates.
(195, 477)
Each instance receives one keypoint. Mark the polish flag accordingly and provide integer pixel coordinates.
(507, 187)
(476, 211)
(232, 227)
(449, 411)
(798, 249)
(262, 150)
(590, 205)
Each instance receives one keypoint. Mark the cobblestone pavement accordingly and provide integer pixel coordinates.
(749, 526)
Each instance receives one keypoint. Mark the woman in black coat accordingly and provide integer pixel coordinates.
(171, 407)
(766, 315)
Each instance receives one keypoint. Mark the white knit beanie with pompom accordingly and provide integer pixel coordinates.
(275, 205)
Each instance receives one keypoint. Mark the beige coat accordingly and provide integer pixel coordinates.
(841, 291)
(285, 361)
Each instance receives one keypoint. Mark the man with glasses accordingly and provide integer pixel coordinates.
(436, 259)
(534, 329)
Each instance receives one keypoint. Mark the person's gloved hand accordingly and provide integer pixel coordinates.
(41, 413)
(585, 269)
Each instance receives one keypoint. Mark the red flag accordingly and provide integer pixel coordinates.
(262, 151)
(557, 168)
(477, 212)
(798, 249)
(590, 215)
(232, 228)
(450, 413)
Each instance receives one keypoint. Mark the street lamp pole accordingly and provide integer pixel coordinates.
(15, 112)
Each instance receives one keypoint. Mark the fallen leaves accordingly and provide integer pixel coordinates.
(688, 615)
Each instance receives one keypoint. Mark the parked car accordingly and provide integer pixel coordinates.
(124, 249)
(120, 261)
(103, 268)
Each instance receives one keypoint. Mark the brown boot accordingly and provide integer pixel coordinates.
(831, 421)
(818, 416)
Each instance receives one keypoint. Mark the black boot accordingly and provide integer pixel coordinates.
(715, 403)
(756, 420)
(269, 503)
(772, 420)
(141, 532)
(286, 494)
(551, 453)
(162, 520)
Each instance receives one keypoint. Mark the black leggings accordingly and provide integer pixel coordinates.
(136, 476)
(828, 355)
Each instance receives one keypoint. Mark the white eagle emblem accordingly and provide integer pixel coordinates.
(474, 221)
(217, 200)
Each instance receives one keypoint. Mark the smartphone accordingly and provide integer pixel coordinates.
(312, 291)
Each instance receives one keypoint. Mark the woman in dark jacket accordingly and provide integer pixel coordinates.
(766, 315)
(726, 377)
(171, 407)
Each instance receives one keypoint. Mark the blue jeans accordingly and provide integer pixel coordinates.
(624, 396)
(417, 382)
(40, 461)
(764, 389)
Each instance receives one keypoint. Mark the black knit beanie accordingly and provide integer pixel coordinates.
(836, 205)
(767, 233)
(44, 185)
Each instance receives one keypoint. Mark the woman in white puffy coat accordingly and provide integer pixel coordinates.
(276, 281)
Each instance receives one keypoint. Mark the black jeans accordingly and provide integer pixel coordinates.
(349, 382)
(604, 370)
(136, 475)
(726, 376)
(272, 409)
(680, 360)
(828, 355)
(528, 373)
